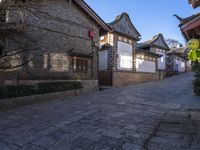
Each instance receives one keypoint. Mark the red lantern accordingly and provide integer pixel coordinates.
(91, 33)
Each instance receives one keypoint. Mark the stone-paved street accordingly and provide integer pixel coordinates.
(158, 115)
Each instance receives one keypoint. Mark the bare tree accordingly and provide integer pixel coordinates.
(172, 43)
(22, 42)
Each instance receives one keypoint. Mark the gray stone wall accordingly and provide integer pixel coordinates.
(67, 30)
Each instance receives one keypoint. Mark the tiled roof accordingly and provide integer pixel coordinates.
(155, 37)
(120, 20)
(81, 53)
(106, 46)
(151, 42)
(180, 51)
(139, 50)
(187, 19)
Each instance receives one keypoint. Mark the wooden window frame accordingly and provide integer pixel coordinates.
(80, 65)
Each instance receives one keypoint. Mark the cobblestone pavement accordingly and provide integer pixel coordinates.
(139, 117)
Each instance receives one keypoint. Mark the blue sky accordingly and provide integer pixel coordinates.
(150, 17)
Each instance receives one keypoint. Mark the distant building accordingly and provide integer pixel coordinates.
(146, 60)
(178, 60)
(121, 60)
(116, 58)
(157, 45)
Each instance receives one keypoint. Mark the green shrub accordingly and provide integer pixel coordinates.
(59, 86)
(40, 88)
(196, 86)
(196, 68)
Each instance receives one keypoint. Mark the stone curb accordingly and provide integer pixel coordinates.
(10, 103)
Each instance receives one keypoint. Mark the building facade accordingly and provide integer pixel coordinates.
(178, 59)
(66, 34)
(120, 61)
(146, 59)
(157, 45)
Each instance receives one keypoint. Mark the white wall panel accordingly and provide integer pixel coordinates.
(145, 66)
(180, 65)
(125, 53)
(162, 63)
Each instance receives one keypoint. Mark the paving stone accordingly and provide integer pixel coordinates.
(170, 142)
(146, 115)
(174, 135)
(92, 136)
(131, 127)
(61, 145)
(25, 127)
(99, 146)
(44, 142)
(91, 122)
(31, 147)
(3, 136)
(10, 131)
(46, 131)
(130, 146)
(171, 106)
(94, 117)
(82, 143)
(21, 139)
(89, 127)
(63, 123)
(112, 132)
(57, 133)
(153, 146)
(108, 141)
(15, 117)
(38, 128)
(4, 146)
(72, 128)
(178, 127)
(196, 116)
(136, 134)
(69, 136)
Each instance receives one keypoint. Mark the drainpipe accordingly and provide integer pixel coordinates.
(18, 77)
(91, 35)
(92, 61)
(97, 55)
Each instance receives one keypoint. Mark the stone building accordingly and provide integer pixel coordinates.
(178, 58)
(158, 46)
(65, 34)
(147, 60)
(120, 61)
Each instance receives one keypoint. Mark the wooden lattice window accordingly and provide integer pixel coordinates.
(80, 64)
(1, 50)
(3, 15)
